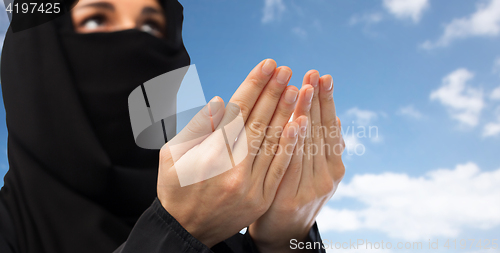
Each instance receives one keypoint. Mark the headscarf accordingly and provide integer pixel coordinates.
(77, 181)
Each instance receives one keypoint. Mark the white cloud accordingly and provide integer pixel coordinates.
(443, 202)
(493, 128)
(353, 146)
(409, 111)
(484, 22)
(495, 94)
(367, 18)
(464, 103)
(362, 117)
(361, 128)
(401, 9)
(272, 10)
(404, 9)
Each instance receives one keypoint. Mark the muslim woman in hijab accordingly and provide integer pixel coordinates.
(78, 182)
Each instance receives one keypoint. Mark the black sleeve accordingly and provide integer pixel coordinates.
(314, 237)
(157, 231)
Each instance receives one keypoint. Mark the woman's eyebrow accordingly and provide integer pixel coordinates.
(150, 10)
(100, 5)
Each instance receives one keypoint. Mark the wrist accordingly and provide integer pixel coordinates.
(199, 232)
(190, 224)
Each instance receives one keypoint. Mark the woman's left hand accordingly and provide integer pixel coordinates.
(313, 175)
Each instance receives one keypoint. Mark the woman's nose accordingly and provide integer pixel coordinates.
(126, 23)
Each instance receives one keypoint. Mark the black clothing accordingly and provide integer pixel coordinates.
(77, 181)
(8, 242)
(155, 232)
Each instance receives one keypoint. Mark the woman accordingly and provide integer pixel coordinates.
(77, 181)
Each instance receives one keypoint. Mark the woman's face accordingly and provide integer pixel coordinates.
(90, 16)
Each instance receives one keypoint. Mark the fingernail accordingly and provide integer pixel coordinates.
(327, 86)
(314, 79)
(293, 130)
(309, 94)
(283, 76)
(268, 67)
(291, 96)
(214, 106)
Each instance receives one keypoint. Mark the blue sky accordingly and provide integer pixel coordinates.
(424, 73)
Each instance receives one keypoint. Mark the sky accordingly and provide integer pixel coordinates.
(417, 87)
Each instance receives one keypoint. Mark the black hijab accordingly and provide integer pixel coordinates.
(77, 181)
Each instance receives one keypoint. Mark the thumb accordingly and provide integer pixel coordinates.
(198, 129)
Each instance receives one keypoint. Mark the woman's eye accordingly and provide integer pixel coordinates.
(93, 23)
(151, 28)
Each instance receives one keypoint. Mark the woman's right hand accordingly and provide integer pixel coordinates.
(216, 208)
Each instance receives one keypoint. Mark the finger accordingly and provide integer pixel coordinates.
(249, 91)
(328, 115)
(307, 78)
(264, 109)
(341, 147)
(306, 82)
(281, 160)
(304, 101)
(317, 142)
(307, 159)
(200, 126)
(306, 178)
(290, 184)
(270, 143)
(303, 109)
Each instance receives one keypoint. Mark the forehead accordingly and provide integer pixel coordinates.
(122, 4)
